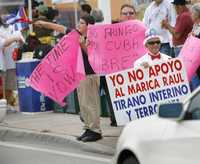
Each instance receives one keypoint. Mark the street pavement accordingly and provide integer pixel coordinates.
(56, 128)
(22, 153)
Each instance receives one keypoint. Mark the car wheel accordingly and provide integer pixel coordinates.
(130, 160)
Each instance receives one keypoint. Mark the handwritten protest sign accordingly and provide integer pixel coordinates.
(135, 93)
(56, 75)
(115, 47)
(190, 55)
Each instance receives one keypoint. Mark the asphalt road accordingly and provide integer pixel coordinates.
(23, 153)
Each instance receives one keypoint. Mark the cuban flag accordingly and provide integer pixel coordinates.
(19, 21)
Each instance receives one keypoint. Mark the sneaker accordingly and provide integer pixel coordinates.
(11, 109)
(113, 124)
(83, 135)
(91, 136)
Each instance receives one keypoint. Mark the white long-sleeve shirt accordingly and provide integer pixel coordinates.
(147, 59)
(154, 14)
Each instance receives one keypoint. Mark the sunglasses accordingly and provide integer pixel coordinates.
(154, 42)
(128, 13)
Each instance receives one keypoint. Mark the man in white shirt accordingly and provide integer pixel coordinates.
(7, 65)
(155, 13)
(152, 42)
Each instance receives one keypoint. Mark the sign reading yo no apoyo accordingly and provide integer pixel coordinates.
(135, 93)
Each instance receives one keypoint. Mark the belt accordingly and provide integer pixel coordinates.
(164, 43)
(179, 46)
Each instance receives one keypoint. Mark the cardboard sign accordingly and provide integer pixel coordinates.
(115, 47)
(135, 93)
(56, 76)
(190, 55)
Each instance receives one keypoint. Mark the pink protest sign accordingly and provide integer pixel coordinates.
(115, 47)
(56, 75)
(190, 55)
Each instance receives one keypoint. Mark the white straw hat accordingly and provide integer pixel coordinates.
(150, 34)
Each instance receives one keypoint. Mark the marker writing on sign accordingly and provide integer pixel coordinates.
(130, 102)
(165, 68)
(168, 93)
(146, 111)
(125, 44)
(57, 52)
(37, 74)
(115, 63)
(120, 31)
(142, 112)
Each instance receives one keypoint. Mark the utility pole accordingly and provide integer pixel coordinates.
(30, 15)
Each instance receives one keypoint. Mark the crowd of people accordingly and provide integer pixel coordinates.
(169, 24)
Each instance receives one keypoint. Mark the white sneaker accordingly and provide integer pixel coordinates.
(11, 108)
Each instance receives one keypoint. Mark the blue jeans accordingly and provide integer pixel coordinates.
(177, 51)
(165, 49)
(195, 82)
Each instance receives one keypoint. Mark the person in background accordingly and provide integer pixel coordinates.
(47, 14)
(182, 27)
(195, 13)
(156, 12)
(98, 15)
(85, 10)
(7, 66)
(152, 42)
(89, 100)
(9, 76)
(127, 12)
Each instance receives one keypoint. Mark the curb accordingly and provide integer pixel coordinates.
(23, 135)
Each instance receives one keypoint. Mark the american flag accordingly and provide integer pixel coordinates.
(20, 21)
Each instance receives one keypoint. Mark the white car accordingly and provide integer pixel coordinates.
(172, 137)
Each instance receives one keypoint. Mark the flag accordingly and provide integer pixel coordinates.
(19, 21)
(10, 19)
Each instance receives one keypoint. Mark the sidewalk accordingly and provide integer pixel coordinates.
(57, 128)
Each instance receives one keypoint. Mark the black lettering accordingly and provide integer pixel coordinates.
(61, 86)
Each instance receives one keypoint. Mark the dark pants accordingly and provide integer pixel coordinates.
(177, 51)
(103, 85)
(198, 72)
(165, 49)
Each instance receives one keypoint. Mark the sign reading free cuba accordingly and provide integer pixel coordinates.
(114, 47)
(135, 93)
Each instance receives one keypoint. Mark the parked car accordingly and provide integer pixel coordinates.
(172, 137)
